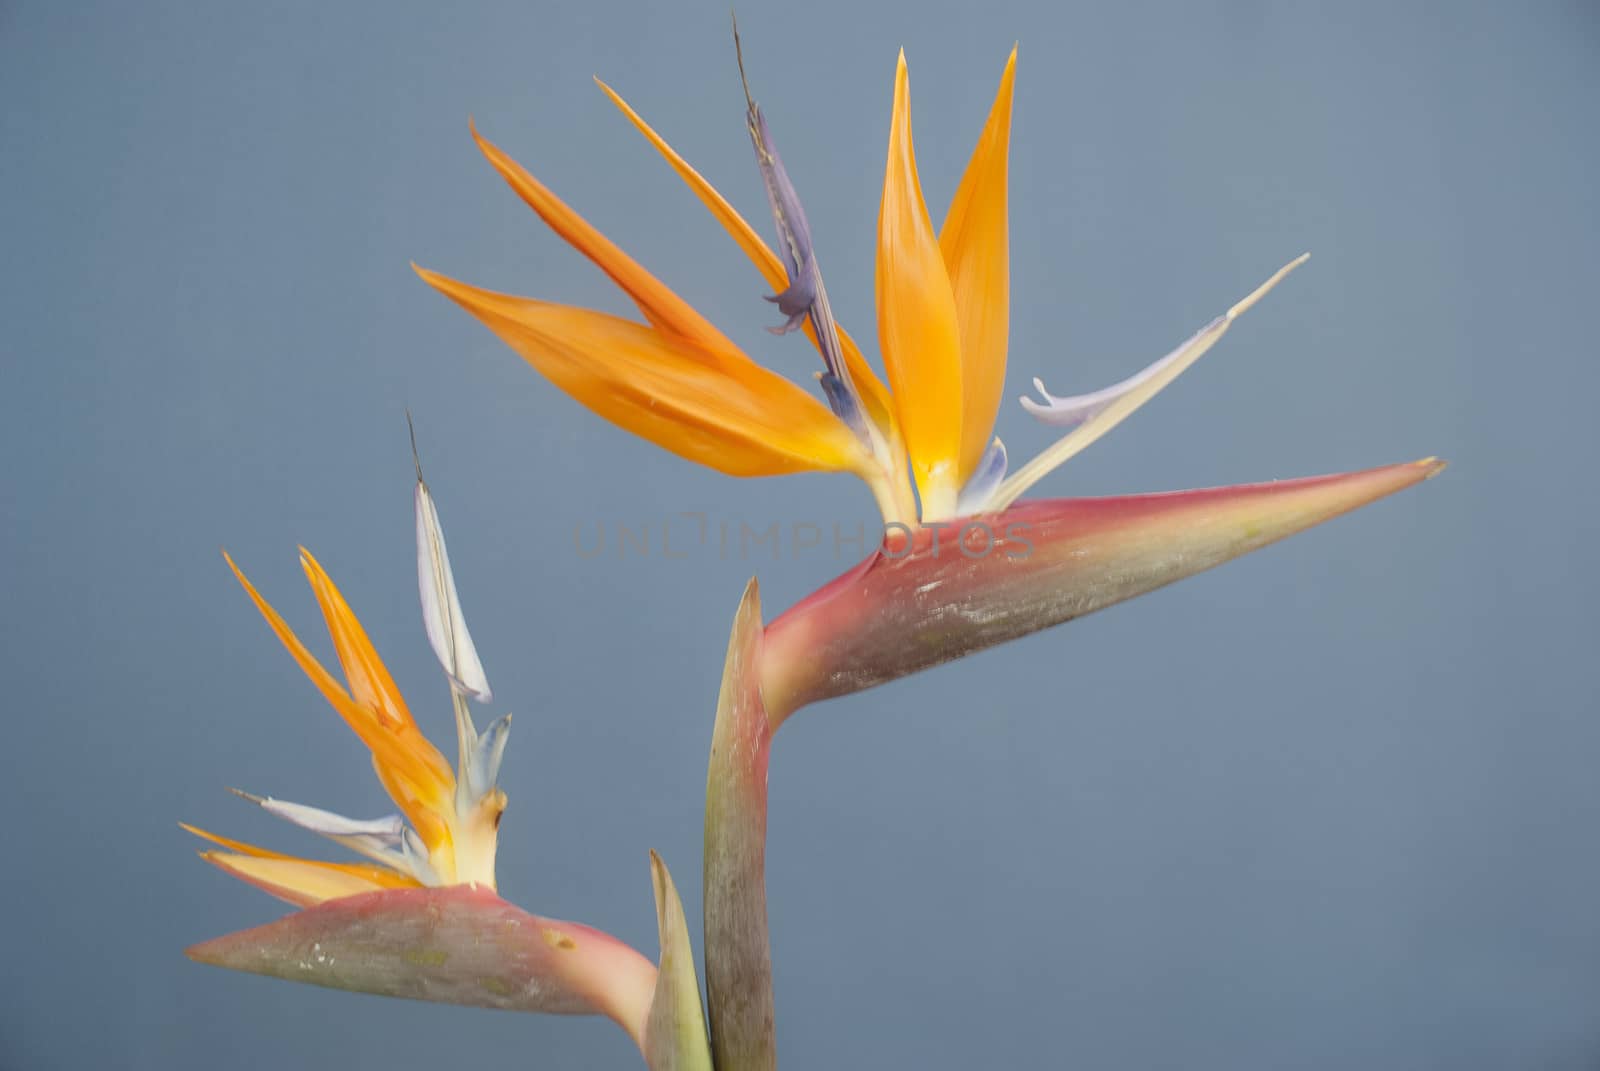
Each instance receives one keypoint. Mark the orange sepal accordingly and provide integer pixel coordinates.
(974, 244)
(874, 395)
(301, 882)
(917, 324)
(656, 301)
(402, 750)
(370, 682)
(744, 422)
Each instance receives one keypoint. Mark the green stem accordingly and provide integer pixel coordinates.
(738, 955)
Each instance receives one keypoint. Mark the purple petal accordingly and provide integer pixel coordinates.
(794, 232)
(796, 301)
(805, 294)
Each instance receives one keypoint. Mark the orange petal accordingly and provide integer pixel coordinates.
(370, 682)
(401, 753)
(974, 245)
(372, 685)
(744, 422)
(301, 882)
(660, 305)
(874, 395)
(417, 804)
(917, 323)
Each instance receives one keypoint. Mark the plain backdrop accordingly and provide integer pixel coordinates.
(1334, 805)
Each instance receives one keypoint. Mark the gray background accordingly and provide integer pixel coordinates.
(1331, 806)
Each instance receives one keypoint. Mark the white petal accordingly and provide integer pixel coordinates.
(441, 608)
(386, 840)
(1077, 409)
(388, 829)
(981, 485)
(483, 767)
(415, 857)
(1092, 415)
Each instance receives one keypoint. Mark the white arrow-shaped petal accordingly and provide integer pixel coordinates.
(441, 607)
(387, 840)
(1089, 416)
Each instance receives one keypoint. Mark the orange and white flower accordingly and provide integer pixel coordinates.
(446, 830)
(924, 443)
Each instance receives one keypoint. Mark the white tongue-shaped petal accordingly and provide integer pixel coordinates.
(1089, 416)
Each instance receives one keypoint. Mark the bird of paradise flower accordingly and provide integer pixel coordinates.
(923, 443)
(454, 816)
(943, 307)
(420, 916)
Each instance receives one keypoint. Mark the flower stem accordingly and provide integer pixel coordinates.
(738, 956)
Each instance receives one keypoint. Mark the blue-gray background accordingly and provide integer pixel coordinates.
(1331, 806)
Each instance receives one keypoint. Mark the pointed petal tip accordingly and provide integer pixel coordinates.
(1261, 291)
(442, 283)
(615, 97)
(439, 281)
(238, 573)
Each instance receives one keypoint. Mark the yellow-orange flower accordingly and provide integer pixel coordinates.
(453, 815)
(925, 442)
